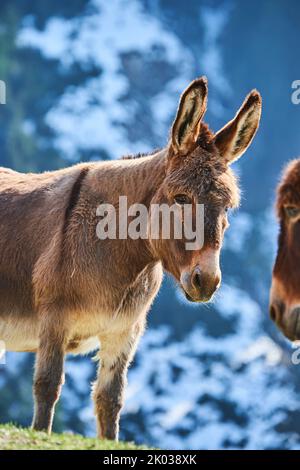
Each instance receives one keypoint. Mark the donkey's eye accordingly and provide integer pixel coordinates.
(182, 199)
(292, 211)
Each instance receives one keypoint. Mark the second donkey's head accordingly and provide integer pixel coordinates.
(198, 172)
(285, 291)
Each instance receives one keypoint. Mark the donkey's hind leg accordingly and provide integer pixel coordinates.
(108, 390)
(49, 376)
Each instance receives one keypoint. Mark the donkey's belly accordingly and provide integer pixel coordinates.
(19, 335)
(88, 326)
(23, 337)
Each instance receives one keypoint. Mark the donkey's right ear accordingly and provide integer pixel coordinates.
(192, 106)
(234, 138)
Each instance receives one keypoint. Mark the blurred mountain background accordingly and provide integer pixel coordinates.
(93, 80)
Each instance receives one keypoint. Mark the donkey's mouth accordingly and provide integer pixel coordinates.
(292, 326)
(196, 299)
(188, 297)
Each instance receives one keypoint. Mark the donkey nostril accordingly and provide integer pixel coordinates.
(276, 311)
(196, 279)
(273, 312)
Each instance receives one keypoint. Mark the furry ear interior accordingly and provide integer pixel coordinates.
(234, 138)
(191, 109)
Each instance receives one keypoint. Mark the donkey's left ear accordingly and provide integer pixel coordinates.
(234, 138)
(192, 106)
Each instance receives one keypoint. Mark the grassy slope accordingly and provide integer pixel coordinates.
(14, 438)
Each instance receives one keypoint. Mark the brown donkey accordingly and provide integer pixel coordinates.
(65, 290)
(285, 291)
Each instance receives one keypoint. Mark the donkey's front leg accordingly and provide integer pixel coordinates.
(49, 376)
(108, 390)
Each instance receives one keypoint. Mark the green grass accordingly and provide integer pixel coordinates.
(14, 438)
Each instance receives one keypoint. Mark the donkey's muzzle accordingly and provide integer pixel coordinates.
(287, 319)
(199, 286)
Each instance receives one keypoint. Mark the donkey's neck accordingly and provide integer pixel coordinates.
(141, 177)
(138, 179)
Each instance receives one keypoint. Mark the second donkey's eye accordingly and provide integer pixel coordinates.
(182, 199)
(292, 211)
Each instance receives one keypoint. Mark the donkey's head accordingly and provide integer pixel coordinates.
(198, 172)
(285, 291)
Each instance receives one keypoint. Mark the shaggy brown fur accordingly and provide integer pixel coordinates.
(285, 292)
(64, 290)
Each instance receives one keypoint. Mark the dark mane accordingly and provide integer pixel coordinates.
(141, 154)
(206, 138)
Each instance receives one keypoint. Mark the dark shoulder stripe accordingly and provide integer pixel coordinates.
(74, 195)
